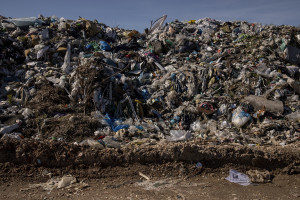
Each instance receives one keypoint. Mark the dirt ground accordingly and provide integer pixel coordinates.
(170, 168)
(130, 185)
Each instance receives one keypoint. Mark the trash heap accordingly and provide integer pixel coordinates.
(82, 81)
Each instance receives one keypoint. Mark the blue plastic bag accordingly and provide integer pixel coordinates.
(111, 121)
(104, 46)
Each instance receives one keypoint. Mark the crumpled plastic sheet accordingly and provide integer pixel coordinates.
(238, 177)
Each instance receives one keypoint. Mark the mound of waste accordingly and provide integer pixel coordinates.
(83, 82)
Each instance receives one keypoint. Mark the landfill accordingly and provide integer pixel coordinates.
(83, 82)
(89, 107)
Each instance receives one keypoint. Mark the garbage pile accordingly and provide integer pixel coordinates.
(82, 81)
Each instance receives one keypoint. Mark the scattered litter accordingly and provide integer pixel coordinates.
(67, 181)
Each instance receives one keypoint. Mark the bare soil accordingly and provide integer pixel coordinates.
(171, 167)
(127, 184)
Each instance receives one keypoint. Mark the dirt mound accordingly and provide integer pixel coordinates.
(65, 155)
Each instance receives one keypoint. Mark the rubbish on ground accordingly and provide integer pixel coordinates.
(198, 165)
(239, 178)
(259, 176)
(67, 181)
(144, 176)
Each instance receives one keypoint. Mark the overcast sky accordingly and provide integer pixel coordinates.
(137, 14)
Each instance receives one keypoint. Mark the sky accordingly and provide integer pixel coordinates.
(137, 14)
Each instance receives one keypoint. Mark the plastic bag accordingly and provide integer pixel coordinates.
(240, 117)
(91, 143)
(178, 135)
(41, 52)
(66, 67)
(158, 24)
(9, 128)
(27, 113)
(195, 126)
(24, 21)
(111, 142)
(115, 126)
(110, 33)
(105, 46)
(66, 181)
(238, 177)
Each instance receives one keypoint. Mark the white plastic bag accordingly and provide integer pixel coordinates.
(196, 126)
(240, 117)
(178, 135)
(66, 67)
(238, 177)
(29, 21)
(66, 181)
(91, 143)
(158, 24)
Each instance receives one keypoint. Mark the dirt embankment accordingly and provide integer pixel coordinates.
(58, 154)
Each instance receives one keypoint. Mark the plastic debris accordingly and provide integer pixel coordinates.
(10, 128)
(178, 135)
(260, 102)
(91, 143)
(198, 165)
(240, 117)
(238, 177)
(24, 21)
(66, 181)
(144, 176)
(71, 80)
